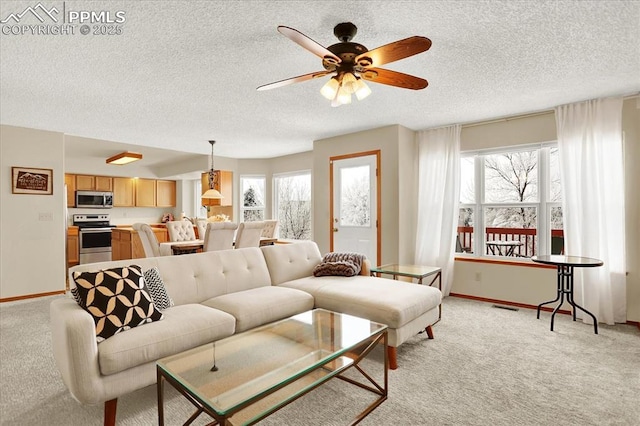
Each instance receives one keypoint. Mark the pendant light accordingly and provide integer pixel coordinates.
(211, 193)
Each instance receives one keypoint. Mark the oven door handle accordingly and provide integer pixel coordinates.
(95, 230)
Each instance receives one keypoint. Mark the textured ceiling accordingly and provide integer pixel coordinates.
(183, 72)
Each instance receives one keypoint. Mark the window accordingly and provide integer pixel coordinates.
(252, 208)
(292, 205)
(510, 203)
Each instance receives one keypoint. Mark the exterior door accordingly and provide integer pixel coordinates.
(355, 207)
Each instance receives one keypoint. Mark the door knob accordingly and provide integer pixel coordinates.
(335, 229)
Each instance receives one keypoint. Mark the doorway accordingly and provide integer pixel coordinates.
(355, 204)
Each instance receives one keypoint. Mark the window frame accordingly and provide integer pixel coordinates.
(275, 190)
(543, 205)
(241, 196)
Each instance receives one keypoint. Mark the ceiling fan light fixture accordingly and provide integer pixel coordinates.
(343, 96)
(362, 90)
(330, 89)
(349, 82)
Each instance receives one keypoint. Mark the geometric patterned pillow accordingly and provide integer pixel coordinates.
(116, 299)
(157, 291)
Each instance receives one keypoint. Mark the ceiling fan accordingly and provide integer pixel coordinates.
(351, 63)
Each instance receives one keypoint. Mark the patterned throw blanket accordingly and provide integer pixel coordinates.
(339, 264)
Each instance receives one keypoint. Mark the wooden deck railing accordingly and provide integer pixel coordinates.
(526, 236)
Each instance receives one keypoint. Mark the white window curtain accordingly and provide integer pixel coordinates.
(438, 199)
(592, 177)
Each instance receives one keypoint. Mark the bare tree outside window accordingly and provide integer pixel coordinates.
(293, 200)
(355, 196)
(509, 201)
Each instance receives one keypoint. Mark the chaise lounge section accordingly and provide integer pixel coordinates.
(215, 295)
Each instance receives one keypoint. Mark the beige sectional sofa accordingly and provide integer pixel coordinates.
(217, 294)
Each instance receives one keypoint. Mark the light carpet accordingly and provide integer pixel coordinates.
(486, 366)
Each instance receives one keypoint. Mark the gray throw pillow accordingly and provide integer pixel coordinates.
(340, 268)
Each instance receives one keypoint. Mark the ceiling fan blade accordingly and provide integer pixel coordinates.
(394, 78)
(393, 51)
(309, 44)
(298, 79)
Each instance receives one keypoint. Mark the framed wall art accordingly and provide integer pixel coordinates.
(25, 180)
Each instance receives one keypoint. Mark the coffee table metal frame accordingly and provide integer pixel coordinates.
(331, 365)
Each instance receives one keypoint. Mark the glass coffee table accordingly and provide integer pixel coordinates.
(246, 377)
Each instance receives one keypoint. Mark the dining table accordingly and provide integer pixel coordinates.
(181, 247)
(193, 246)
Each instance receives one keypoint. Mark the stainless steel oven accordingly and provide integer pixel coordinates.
(95, 237)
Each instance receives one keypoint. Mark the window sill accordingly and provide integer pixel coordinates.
(503, 261)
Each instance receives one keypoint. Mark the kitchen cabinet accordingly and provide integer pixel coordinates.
(70, 181)
(94, 183)
(224, 185)
(126, 243)
(123, 192)
(73, 246)
(165, 193)
(145, 192)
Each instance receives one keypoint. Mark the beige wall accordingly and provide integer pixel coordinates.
(32, 250)
(386, 139)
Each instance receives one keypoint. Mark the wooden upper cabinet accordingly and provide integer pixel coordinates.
(94, 183)
(123, 192)
(224, 185)
(85, 183)
(145, 192)
(104, 183)
(70, 181)
(166, 193)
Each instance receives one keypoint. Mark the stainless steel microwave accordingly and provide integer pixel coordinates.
(94, 199)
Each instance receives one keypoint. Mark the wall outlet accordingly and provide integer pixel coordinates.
(478, 276)
(45, 216)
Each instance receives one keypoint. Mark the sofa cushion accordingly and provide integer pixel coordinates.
(184, 327)
(288, 262)
(263, 305)
(116, 299)
(390, 302)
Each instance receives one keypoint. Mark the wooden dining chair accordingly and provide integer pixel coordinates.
(219, 236)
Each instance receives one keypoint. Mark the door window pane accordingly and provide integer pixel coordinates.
(355, 196)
